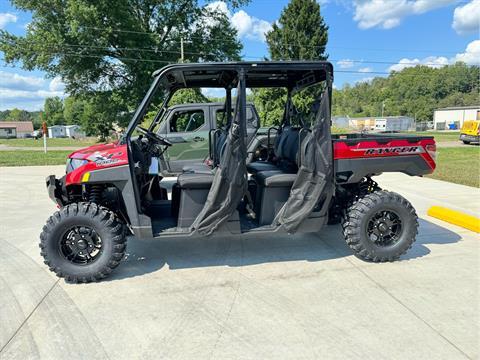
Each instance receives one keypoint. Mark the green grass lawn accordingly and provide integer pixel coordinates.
(28, 158)
(458, 165)
(440, 136)
(50, 142)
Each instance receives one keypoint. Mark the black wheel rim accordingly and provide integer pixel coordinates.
(81, 245)
(384, 228)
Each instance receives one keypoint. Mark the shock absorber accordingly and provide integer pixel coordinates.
(95, 194)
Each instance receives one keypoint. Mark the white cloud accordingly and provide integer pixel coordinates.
(56, 84)
(247, 26)
(471, 56)
(388, 14)
(365, 70)
(430, 61)
(345, 63)
(6, 93)
(6, 18)
(27, 92)
(16, 81)
(213, 92)
(466, 19)
(364, 80)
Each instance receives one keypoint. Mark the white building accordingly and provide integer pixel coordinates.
(15, 129)
(377, 124)
(62, 131)
(74, 131)
(453, 117)
(56, 131)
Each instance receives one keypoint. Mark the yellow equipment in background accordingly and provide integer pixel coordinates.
(470, 131)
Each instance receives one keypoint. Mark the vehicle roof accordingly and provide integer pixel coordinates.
(289, 74)
(212, 104)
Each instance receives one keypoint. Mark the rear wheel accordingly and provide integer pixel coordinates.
(466, 142)
(83, 242)
(381, 226)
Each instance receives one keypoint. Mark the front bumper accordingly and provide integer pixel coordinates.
(56, 190)
(471, 138)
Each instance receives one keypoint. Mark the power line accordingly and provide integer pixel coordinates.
(159, 51)
(288, 44)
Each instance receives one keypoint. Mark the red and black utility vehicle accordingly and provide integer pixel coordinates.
(309, 177)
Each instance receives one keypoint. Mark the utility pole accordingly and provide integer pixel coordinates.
(181, 50)
(44, 131)
(383, 107)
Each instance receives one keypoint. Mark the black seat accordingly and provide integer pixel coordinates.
(275, 178)
(286, 150)
(195, 181)
(197, 169)
(273, 185)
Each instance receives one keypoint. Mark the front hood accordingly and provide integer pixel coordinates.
(97, 157)
(86, 153)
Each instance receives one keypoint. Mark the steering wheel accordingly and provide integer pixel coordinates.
(154, 137)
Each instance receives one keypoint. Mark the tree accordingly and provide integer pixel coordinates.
(18, 115)
(414, 91)
(299, 34)
(53, 111)
(188, 96)
(113, 47)
(73, 110)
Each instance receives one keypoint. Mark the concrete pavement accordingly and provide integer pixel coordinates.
(230, 298)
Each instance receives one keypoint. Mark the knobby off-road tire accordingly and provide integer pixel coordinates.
(380, 209)
(75, 229)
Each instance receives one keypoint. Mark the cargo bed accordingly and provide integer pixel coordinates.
(359, 155)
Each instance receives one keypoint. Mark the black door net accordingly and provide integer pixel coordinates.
(314, 176)
(230, 181)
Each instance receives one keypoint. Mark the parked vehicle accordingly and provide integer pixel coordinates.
(113, 190)
(470, 132)
(37, 134)
(191, 128)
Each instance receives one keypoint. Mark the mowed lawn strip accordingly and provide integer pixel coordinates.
(56, 142)
(32, 158)
(460, 165)
(440, 136)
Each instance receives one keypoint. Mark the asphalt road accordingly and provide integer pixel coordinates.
(298, 297)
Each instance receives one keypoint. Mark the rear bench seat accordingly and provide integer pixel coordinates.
(274, 181)
(286, 149)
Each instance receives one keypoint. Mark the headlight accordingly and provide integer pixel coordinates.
(73, 164)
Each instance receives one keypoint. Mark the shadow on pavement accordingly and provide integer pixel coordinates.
(147, 256)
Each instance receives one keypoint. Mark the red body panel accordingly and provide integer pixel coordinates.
(99, 157)
(375, 149)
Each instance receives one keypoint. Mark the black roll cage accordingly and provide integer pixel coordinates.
(215, 75)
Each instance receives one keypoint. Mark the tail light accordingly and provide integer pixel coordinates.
(432, 151)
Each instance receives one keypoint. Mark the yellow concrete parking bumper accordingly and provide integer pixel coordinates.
(455, 217)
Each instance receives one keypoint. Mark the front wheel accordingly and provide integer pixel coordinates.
(466, 142)
(83, 242)
(380, 227)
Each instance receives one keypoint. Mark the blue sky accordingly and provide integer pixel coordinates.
(367, 38)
